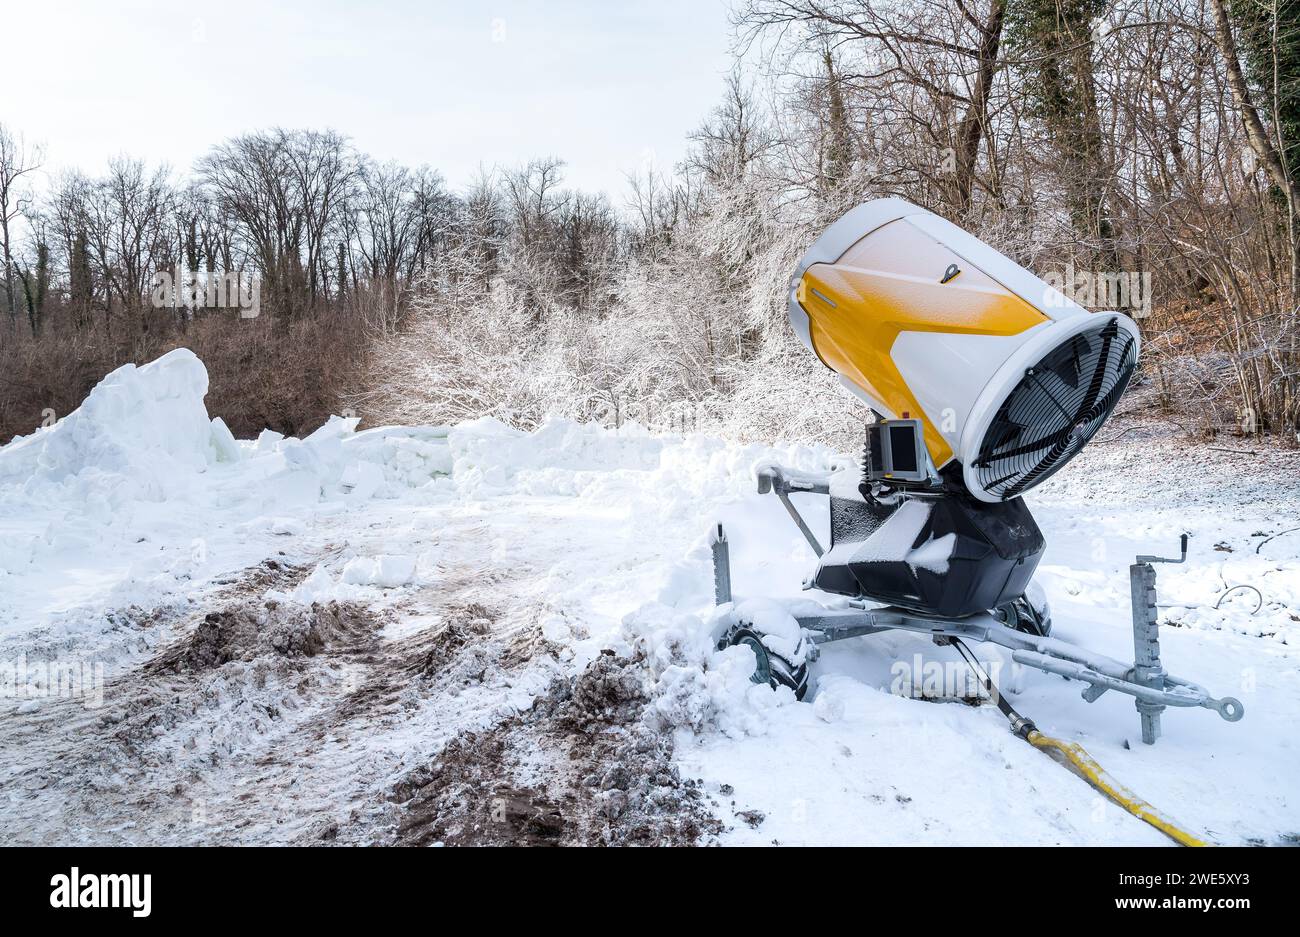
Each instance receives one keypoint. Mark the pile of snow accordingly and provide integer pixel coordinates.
(144, 434)
(139, 434)
(694, 685)
(358, 579)
(560, 457)
(138, 491)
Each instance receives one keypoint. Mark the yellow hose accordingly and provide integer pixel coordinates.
(1095, 775)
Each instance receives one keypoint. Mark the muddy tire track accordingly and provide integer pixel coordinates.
(263, 721)
(579, 768)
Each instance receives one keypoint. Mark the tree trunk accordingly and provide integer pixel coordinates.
(1265, 151)
(971, 130)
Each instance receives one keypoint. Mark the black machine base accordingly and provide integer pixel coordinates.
(940, 554)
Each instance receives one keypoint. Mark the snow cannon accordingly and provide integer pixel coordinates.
(1003, 378)
(984, 381)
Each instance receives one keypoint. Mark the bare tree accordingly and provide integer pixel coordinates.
(287, 190)
(130, 214)
(1267, 146)
(17, 160)
(935, 61)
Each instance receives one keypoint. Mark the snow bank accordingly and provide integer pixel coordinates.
(138, 491)
(560, 457)
(144, 434)
(141, 433)
(693, 685)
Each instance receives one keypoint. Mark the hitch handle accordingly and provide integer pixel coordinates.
(1164, 559)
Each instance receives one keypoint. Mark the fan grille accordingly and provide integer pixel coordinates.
(1058, 406)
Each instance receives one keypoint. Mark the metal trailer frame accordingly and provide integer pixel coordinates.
(1145, 679)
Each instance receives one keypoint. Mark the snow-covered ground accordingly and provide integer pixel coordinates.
(397, 635)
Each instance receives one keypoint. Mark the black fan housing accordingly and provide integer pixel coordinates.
(1055, 409)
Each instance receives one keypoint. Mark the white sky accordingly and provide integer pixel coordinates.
(603, 86)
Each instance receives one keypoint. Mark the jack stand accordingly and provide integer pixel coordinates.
(1147, 669)
(721, 565)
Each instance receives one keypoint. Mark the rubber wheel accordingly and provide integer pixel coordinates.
(1022, 616)
(770, 667)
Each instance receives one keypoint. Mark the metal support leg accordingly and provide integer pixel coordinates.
(795, 516)
(1147, 670)
(721, 566)
(782, 482)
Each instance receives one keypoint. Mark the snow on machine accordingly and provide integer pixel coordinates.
(985, 381)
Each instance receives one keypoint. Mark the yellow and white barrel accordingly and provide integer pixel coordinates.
(922, 320)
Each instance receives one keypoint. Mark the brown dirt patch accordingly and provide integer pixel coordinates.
(579, 768)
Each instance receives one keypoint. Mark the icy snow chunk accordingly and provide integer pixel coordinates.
(336, 427)
(317, 587)
(297, 454)
(410, 457)
(269, 440)
(322, 586)
(828, 706)
(326, 446)
(386, 571)
(224, 446)
(416, 462)
(293, 487)
(362, 480)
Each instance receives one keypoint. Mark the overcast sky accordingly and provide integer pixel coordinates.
(454, 85)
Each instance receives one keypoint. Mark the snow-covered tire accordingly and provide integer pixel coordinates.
(770, 667)
(1028, 616)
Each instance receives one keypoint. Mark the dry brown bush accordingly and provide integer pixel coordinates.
(287, 376)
